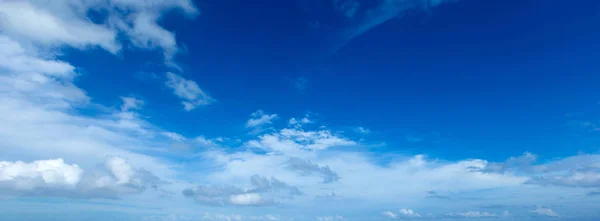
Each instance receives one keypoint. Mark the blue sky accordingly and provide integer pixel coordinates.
(328, 110)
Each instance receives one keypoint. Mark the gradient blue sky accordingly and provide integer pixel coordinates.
(327, 110)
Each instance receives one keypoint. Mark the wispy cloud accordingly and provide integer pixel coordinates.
(372, 16)
(260, 118)
(300, 84)
(188, 91)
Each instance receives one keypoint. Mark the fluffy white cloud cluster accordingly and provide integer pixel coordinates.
(27, 176)
(64, 22)
(56, 178)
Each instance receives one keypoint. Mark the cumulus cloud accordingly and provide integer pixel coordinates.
(305, 167)
(56, 178)
(27, 176)
(542, 211)
(188, 91)
(409, 213)
(263, 192)
(299, 122)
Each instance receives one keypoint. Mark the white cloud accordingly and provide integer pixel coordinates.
(305, 167)
(402, 213)
(294, 141)
(54, 24)
(238, 217)
(174, 136)
(262, 192)
(223, 217)
(260, 118)
(57, 23)
(390, 214)
(27, 176)
(294, 122)
(541, 211)
(246, 199)
(363, 130)
(131, 103)
(409, 213)
(474, 214)
(575, 171)
(120, 169)
(188, 91)
(56, 178)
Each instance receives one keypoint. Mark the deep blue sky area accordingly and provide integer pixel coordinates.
(482, 75)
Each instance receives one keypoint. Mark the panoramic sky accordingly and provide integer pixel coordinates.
(303, 110)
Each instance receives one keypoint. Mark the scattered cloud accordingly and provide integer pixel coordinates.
(363, 130)
(575, 171)
(305, 167)
(56, 23)
(174, 136)
(541, 211)
(131, 103)
(294, 140)
(188, 91)
(237, 217)
(473, 214)
(262, 193)
(409, 213)
(259, 118)
(402, 213)
(297, 123)
(390, 214)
